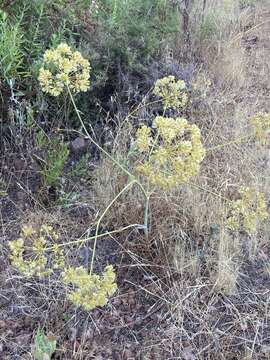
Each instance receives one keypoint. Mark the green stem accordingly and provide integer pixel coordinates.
(101, 148)
(139, 107)
(83, 241)
(93, 141)
(102, 216)
(131, 176)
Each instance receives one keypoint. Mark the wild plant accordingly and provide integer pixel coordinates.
(11, 48)
(44, 346)
(166, 155)
(54, 161)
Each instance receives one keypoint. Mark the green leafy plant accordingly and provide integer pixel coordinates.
(44, 346)
(134, 30)
(11, 47)
(80, 168)
(54, 161)
(40, 139)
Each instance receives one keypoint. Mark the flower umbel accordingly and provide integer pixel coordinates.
(144, 138)
(64, 67)
(173, 155)
(91, 290)
(248, 211)
(29, 255)
(261, 127)
(172, 92)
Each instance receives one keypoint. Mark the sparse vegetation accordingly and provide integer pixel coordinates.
(54, 161)
(44, 346)
(134, 194)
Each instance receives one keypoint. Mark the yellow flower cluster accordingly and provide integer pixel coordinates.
(28, 253)
(173, 155)
(248, 210)
(173, 93)
(36, 253)
(91, 290)
(64, 67)
(261, 127)
(144, 140)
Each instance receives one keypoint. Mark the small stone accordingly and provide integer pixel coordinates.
(128, 355)
(19, 164)
(3, 324)
(23, 339)
(188, 354)
(266, 349)
(79, 211)
(21, 196)
(78, 146)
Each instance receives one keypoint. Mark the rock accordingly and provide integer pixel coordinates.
(78, 146)
(188, 354)
(21, 196)
(79, 211)
(19, 164)
(266, 349)
(23, 340)
(128, 355)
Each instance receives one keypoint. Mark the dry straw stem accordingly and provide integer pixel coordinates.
(227, 268)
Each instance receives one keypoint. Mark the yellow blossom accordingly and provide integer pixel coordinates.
(90, 290)
(64, 67)
(172, 92)
(248, 210)
(27, 230)
(29, 253)
(143, 138)
(261, 127)
(173, 155)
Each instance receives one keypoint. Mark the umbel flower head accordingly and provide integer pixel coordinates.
(171, 156)
(28, 253)
(91, 290)
(64, 67)
(261, 127)
(247, 211)
(172, 92)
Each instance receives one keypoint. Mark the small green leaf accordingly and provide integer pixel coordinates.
(44, 346)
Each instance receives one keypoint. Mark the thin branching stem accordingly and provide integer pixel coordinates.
(235, 141)
(85, 240)
(198, 187)
(93, 141)
(129, 185)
